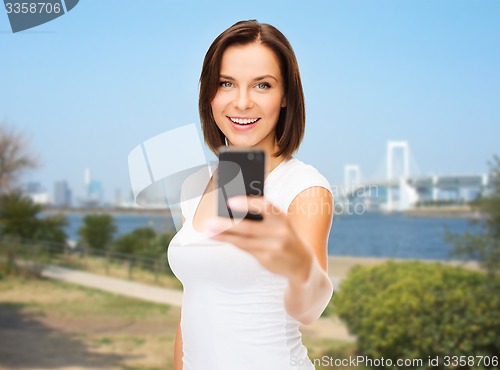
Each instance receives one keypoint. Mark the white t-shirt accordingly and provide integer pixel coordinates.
(233, 314)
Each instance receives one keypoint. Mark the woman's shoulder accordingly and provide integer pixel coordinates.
(298, 172)
(293, 177)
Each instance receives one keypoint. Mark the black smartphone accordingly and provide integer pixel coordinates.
(240, 172)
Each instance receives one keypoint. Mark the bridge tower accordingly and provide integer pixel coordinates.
(391, 147)
(352, 176)
(403, 147)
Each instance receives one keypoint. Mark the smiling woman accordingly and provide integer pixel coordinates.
(263, 60)
(248, 286)
(250, 96)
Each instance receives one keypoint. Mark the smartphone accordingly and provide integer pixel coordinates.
(240, 172)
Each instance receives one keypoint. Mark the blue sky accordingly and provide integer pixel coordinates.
(91, 85)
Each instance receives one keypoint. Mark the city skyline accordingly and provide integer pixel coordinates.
(61, 194)
(430, 187)
(372, 71)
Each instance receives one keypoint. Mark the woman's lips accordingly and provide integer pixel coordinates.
(243, 120)
(243, 123)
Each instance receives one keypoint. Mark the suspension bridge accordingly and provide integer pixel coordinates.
(399, 190)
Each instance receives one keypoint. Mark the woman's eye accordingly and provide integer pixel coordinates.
(263, 85)
(225, 84)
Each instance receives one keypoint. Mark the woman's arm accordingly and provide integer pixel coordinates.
(178, 348)
(310, 289)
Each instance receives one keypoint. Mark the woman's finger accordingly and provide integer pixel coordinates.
(250, 245)
(242, 227)
(253, 204)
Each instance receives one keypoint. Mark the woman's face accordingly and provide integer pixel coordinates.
(250, 96)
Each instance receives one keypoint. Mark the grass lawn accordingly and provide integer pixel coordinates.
(52, 325)
(48, 324)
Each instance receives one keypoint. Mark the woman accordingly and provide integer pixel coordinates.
(248, 286)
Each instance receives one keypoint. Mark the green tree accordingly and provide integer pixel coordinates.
(52, 229)
(159, 245)
(21, 218)
(136, 241)
(97, 230)
(485, 245)
(15, 157)
(144, 242)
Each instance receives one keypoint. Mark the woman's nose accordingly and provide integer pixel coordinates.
(243, 100)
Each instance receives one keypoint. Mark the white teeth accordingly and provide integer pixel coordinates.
(243, 121)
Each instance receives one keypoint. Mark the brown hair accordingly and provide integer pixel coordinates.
(291, 121)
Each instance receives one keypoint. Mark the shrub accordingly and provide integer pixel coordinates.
(97, 230)
(135, 241)
(412, 310)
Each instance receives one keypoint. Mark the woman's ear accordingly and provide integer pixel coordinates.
(283, 103)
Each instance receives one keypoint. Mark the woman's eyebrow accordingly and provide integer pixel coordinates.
(255, 79)
(264, 77)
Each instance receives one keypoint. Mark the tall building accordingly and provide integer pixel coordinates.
(94, 193)
(37, 193)
(62, 194)
(86, 177)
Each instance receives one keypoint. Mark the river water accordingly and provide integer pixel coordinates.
(366, 235)
(394, 235)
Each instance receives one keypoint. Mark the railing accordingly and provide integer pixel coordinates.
(36, 254)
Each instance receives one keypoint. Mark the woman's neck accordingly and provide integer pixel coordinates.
(273, 162)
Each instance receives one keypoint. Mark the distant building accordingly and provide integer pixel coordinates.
(86, 177)
(37, 193)
(95, 192)
(118, 197)
(33, 187)
(62, 194)
(40, 198)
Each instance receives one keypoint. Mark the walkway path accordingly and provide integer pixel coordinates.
(323, 328)
(113, 285)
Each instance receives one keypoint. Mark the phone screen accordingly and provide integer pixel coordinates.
(240, 172)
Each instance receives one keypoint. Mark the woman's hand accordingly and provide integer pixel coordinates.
(273, 241)
(292, 244)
